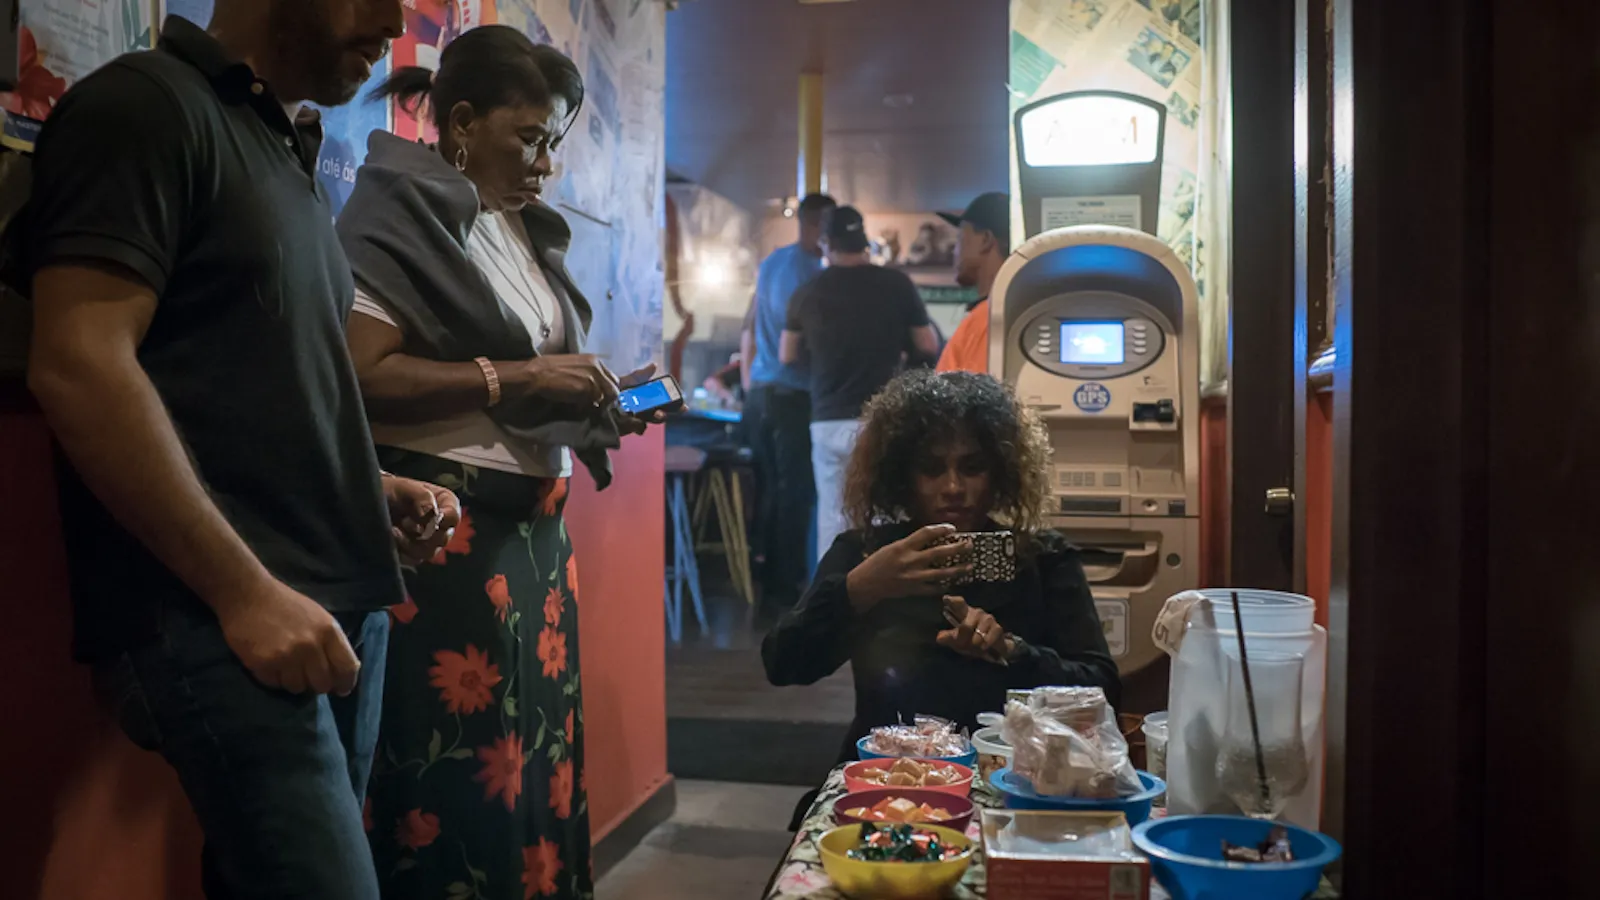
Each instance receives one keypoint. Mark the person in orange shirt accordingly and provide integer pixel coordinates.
(982, 249)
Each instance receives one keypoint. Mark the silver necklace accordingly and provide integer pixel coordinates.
(523, 289)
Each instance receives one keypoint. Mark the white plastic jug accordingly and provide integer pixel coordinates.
(1274, 623)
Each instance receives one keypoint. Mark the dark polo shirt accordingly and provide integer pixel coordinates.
(179, 166)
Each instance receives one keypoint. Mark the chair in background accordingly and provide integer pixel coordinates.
(682, 463)
(721, 490)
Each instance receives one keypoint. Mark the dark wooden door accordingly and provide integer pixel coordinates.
(1464, 685)
(1262, 544)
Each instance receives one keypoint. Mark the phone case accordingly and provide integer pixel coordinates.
(994, 556)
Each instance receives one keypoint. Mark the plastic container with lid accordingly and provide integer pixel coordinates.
(1265, 612)
(993, 752)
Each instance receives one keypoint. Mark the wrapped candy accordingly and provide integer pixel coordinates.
(927, 738)
(1275, 849)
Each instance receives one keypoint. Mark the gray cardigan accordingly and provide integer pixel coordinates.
(405, 231)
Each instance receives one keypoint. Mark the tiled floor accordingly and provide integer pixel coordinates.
(724, 842)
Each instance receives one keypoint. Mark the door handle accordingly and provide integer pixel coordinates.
(1280, 501)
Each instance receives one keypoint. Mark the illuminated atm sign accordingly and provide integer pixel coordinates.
(1090, 158)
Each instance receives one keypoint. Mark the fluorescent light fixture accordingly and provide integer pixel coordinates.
(1090, 131)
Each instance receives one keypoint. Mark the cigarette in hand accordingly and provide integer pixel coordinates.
(430, 525)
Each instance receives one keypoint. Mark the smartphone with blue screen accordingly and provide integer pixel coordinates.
(657, 394)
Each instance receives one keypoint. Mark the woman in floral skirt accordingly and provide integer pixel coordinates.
(467, 337)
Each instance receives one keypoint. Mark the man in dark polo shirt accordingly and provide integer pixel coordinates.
(228, 533)
(858, 324)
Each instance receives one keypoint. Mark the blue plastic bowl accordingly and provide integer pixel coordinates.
(1186, 858)
(968, 759)
(1019, 794)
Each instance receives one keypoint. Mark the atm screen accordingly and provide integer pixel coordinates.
(1091, 343)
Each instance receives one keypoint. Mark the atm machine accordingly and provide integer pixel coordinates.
(1095, 323)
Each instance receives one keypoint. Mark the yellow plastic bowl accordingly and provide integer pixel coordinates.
(892, 880)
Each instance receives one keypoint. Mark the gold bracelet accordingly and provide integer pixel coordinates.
(490, 378)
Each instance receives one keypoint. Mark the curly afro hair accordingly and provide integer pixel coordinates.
(922, 409)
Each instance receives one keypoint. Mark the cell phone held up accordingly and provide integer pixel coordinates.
(658, 394)
(993, 556)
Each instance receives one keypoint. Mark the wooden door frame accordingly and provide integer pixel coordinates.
(1312, 179)
(1263, 547)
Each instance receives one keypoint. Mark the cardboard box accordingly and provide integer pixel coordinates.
(1062, 856)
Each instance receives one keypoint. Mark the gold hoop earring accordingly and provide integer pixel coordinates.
(461, 158)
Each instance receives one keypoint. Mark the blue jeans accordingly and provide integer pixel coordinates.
(780, 439)
(277, 780)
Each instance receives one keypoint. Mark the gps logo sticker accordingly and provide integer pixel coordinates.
(1092, 397)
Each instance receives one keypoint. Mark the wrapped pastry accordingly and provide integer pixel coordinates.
(1067, 744)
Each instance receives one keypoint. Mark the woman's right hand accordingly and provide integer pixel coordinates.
(910, 567)
(580, 379)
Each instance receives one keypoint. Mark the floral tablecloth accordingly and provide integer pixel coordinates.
(801, 876)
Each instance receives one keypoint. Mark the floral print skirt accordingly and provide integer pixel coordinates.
(478, 789)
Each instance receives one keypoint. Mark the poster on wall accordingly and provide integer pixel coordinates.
(430, 27)
(920, 243)
(344, 138)
(62, 41)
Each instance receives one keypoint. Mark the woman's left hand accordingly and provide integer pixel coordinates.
(978, 636)
(422, 517)
(632, 424)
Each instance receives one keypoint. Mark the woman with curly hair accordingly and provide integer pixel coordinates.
(941, 454)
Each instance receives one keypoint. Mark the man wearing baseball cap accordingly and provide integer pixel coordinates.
(981, 250)
(857, 324)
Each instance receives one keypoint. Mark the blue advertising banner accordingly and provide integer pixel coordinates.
(344, 143)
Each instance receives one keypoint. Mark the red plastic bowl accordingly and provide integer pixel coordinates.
(854, 783)
(960, 808)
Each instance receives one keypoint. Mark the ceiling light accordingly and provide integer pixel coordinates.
(899, 101)
(715, 272)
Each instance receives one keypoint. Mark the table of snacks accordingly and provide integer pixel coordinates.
(801, 876)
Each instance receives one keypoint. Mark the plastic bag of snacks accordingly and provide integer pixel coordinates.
(927, 738)
(1065, 740)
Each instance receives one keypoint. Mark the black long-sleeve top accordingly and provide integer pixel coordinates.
(901, 671)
